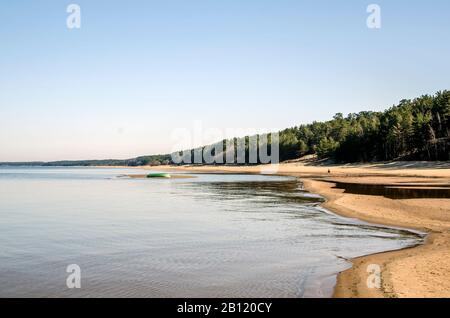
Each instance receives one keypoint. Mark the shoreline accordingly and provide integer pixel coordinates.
(418, 271)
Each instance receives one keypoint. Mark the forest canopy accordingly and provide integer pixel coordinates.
(417, 129)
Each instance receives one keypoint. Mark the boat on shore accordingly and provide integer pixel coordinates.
(158, 175)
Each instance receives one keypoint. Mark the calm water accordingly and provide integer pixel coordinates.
(215, 235)
(398, 191)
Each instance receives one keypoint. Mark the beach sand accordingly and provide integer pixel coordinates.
(422, 271)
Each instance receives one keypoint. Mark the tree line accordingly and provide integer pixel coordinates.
(417, 129)
(133, 162)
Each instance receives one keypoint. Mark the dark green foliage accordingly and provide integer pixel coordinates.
(134, 162)
(416, 129)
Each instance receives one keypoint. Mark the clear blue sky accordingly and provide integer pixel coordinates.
(135, 70)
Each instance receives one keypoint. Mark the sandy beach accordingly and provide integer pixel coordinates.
(422, 271)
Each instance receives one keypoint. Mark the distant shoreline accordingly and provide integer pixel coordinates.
(421, 271)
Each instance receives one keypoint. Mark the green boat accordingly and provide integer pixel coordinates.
(158, 175)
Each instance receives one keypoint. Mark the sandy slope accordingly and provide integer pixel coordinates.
(422, 271)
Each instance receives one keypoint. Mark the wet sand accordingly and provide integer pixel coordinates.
(422, 271)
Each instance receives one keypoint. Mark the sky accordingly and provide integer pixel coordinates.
(136, 71)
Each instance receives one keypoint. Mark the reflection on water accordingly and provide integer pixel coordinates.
(212, 236)
(288, 190)
(403, 191)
